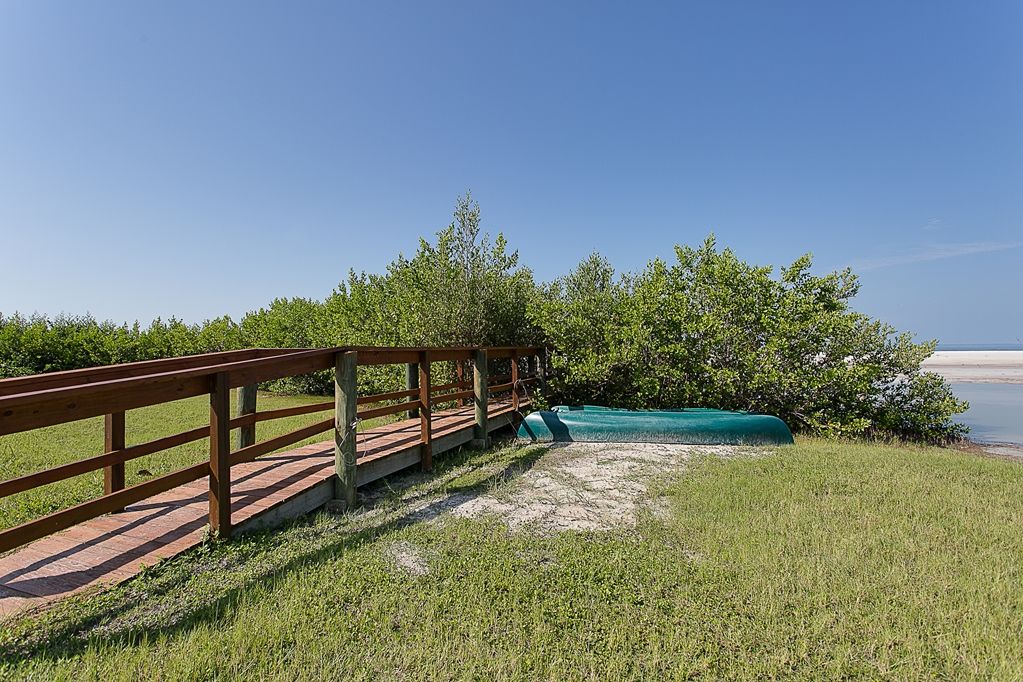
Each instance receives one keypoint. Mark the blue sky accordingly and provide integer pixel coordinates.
(195, 159)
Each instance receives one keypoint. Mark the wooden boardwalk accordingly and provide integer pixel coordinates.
(112, 548)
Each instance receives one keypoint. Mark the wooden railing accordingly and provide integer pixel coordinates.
(45, 400)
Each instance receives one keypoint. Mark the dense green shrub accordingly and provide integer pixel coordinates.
(289, 323)
(712, 330)
(705, 330)
(461, 290)
(30, 345)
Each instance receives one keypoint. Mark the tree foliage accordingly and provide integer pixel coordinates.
(711, 330)
(35, 344)
(706, 329)
(461, 290)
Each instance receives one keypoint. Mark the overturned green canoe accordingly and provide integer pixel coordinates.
(694, 426)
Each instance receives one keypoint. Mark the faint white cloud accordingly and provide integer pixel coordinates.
(931, 252)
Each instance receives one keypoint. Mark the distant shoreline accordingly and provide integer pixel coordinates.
(1012, 451)
(977, 366)
(979, 346)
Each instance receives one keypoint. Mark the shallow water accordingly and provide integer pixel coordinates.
(996, 412)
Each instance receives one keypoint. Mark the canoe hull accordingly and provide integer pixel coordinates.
(591, 424)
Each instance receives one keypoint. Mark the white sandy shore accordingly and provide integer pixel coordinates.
(1003, 450)
(978, 366)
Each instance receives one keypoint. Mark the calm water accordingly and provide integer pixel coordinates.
(996, 412)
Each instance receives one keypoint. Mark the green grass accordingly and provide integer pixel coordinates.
(823, 560)
(24, 453)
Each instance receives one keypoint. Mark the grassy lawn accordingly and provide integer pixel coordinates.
(23, 453)
(823, 560)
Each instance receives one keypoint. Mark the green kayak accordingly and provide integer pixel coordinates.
(694, 426)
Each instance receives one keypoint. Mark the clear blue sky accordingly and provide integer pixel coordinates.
(196, 158)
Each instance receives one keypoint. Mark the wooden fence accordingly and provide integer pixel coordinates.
(45, 400)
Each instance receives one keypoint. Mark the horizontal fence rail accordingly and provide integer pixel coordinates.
(39, 401)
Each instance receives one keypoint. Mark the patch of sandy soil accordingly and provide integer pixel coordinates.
(407, 558)
(582, 486)
(569, 487)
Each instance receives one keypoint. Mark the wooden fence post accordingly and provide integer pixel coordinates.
(113, 439)
(425, 426)
(246, 404)
(220, 456)
(480, 436)
(346, 400)
(412, 383)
